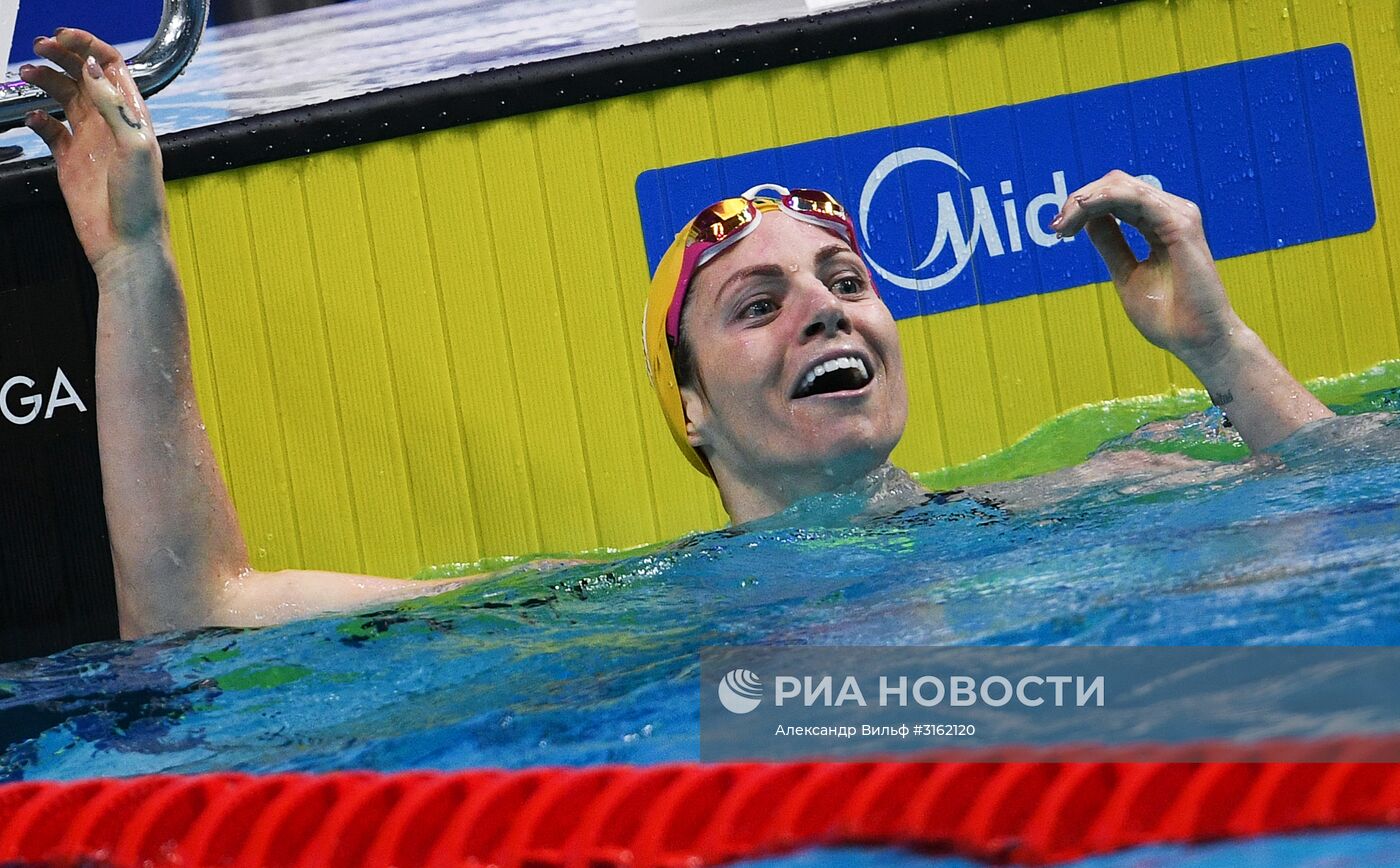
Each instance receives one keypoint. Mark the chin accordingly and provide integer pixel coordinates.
(845, 459)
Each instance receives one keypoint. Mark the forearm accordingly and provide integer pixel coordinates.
(1259, 396)
(176, 543)
(262, 599)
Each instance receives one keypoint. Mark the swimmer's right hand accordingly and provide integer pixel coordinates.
(109, 164)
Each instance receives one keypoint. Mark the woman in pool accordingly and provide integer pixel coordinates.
(777, 364)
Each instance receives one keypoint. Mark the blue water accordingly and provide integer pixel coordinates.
(1371, 849)
(598, 662)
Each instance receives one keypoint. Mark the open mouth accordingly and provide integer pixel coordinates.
(841, 374)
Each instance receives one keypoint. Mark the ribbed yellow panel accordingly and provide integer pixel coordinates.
(945, 360)
(1206, 35)
(426, 350)
(678, 122)
(1374, 31)
(672, 496)
(1310, 321)
(1022, 380)
(1368, 329)
(1074, 320)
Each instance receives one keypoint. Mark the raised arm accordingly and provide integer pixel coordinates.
(179, 554)
(1175, 298)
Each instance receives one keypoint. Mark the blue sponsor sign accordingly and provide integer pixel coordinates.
(954, 211)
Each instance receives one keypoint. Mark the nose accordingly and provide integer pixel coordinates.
(827, 316)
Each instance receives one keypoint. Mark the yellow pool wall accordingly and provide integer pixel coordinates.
(426, 350)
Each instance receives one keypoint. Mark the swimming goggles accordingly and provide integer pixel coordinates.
(721, 225)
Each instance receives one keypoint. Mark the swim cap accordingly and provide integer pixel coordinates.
(661, 367)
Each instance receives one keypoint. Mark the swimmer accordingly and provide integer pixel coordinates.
(777, 364)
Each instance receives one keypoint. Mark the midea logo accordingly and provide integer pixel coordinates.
(740, 691)
(985, 228)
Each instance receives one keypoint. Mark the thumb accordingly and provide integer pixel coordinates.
(127, 125)
(1108, 240)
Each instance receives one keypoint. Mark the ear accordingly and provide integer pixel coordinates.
(696, 416)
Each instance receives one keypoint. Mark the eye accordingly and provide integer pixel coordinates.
(758, 308)
(849, 285)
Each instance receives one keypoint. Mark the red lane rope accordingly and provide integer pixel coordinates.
(689, 815)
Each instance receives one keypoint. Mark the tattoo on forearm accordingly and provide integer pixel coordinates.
(1220, 399)
(135, 125)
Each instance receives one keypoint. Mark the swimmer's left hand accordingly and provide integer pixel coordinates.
(1175, 296)
(1176, 299)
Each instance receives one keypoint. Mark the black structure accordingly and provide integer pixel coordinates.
(55, 565)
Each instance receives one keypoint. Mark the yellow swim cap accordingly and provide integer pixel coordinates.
(656, 344)
(719, 226)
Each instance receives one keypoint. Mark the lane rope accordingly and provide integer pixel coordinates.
(1022, 810)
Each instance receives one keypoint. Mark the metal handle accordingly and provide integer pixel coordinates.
(181, 26)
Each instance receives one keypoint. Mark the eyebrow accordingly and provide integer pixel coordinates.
(743, 274)
(829, 252)
(822, 257)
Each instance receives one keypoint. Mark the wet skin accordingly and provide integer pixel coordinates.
(759, 316)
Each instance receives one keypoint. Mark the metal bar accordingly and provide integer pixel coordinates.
(181, 27)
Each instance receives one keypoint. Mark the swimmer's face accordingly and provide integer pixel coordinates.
(762, 317)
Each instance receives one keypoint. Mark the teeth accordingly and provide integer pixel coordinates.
(833, 365)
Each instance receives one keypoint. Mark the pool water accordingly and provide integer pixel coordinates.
(1370, 849)
(597, 662)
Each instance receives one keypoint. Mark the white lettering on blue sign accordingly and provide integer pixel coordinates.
(954, 211)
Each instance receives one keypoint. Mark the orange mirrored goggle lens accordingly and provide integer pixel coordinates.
(816, 202)
(721, 220)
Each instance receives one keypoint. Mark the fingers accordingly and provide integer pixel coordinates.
(53, 132)
(1108, 240)
(82, 44)
(51, 49)
(54, 83)
(120, 75)
(69, 48)
(129, 126)
(1159, 216)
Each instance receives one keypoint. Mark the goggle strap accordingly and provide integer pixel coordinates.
(752, 192)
